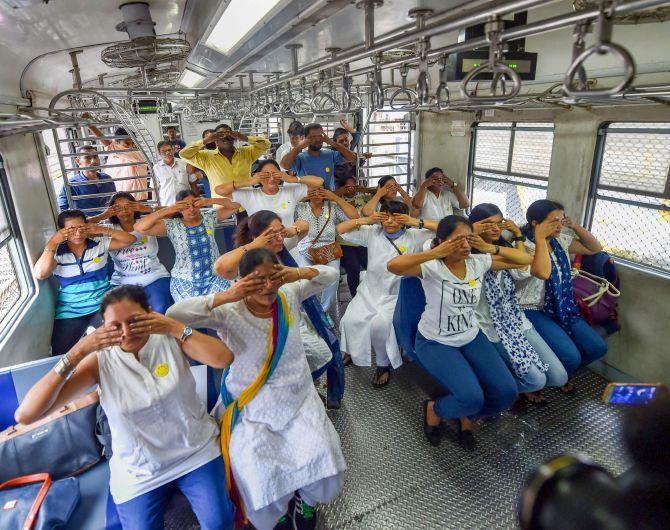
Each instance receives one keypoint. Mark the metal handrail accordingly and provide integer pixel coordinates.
(404, 91)
(442, 87)
(603, 46)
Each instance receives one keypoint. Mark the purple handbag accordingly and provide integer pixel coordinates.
(596, 298)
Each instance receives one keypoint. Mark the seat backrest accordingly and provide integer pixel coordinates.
(408, 310)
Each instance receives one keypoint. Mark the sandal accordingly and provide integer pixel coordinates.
(433, 433)
(382, 377)
(346, 359)
(535, 398)
(568, 389)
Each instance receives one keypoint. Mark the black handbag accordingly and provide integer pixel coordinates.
(34, 502)
(63, 444)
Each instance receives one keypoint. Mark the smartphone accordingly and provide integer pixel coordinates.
(630, 393)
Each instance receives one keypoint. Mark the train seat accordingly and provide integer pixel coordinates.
(95, 511)
(408, 310)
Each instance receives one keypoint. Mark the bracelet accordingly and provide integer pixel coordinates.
(53, 251)
(297, 230)
(497, 250)
(298, 271)
(64, 367)
(421, 223)
(519, 238)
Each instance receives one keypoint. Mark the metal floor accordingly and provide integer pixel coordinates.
(396, 480)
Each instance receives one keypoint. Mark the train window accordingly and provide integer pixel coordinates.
(16, 284)
(267, 126)
(389, 137)
(629, 208)
(509, 165)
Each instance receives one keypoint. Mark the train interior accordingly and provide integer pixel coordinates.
(517, 100)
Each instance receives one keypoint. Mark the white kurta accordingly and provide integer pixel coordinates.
(377, 293)
(283, 439)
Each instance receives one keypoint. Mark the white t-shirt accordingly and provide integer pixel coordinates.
(281, 152)
(171, 180)
(483, 316)
(530, 289)
(449, 316)
(137, 264)
(283, 203)
(436, 208)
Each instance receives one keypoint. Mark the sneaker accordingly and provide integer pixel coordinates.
(284, 523)
(304, 515)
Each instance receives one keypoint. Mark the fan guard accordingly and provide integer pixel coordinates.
(156, 78)
(644, 16)
(131, 54)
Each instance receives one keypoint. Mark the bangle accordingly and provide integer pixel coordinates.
(52, 250)
(64, 367)
(233, 185)
(519, 238)
(298, 271)
(497, 250)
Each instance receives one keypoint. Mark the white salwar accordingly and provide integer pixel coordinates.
(283, 441)
(368, 321)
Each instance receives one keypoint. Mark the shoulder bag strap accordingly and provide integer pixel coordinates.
(35, 508)
(394, 245)
(323, 227)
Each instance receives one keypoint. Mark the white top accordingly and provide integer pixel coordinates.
(530, 289)
(171, 180)
(137, 264)
(437, 207)
(449, 317)
(281, 152)
(160, 428)
(483, 316)
(283, 439)
(304, 211)
(283, 203)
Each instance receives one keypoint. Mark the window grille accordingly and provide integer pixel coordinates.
(629, 207)
(509, 165)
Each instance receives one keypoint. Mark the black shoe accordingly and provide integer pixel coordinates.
(333, 404)
(433, 433)
(285, 523)
(304, 515)
(466, 438)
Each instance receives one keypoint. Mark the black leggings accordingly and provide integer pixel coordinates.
(354, 260)
(67, 331)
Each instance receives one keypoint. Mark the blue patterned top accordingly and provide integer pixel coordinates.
(195, 247)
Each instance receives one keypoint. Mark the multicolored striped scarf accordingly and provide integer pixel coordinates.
(279, 328)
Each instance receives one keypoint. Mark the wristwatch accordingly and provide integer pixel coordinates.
(188, 331)
(421, 223)
(519, 238)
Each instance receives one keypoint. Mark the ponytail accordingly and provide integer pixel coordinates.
(242, 235)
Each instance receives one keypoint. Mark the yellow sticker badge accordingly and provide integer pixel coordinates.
(472, 282)
(284, 206)
(144, 239)
(209, 231)
(96, 260)
(327, 170)
(402, 248)
(162, 370)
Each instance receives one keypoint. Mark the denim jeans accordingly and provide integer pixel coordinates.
(205, 489)
(159, 295)
(534, 379)
(478, 380)
(580, 349)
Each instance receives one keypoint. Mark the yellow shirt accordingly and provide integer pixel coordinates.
(218, 168)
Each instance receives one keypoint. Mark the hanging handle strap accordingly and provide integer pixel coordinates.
(45, 478)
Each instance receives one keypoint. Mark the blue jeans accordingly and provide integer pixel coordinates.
(159, 295)
(205, 489)
(584, 347)
(478, 381)
(534, 379)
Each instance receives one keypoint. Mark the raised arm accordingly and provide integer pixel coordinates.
(348, 209)
(586, 244)
(198, 346)
(46, 264)
(226, 190)
(410, 264)
(54, 389)
(353, 224)
(428, 224)
(407, 200)
(308, 180)
(96, 132)
(371, 206)
(417, 200)
(225, 208)
(348, 155)
(191, 153)
(502, 257)
(259, 145)
(154, 223)
(289, 158)
(119, 238)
